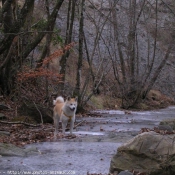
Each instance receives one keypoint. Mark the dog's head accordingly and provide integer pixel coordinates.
(71, 103)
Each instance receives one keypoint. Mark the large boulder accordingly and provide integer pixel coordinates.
(148, 152)
(36, 112)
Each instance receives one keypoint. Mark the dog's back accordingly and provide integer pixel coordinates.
(59, 103)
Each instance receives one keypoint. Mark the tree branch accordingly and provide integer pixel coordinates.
(19, 122)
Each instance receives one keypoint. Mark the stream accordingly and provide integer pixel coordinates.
(91, 151)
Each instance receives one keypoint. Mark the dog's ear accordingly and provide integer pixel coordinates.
(76, 98)
(68, 98)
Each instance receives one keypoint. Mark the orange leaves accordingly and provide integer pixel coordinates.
(157, 130)
(36, 86)
(44, 71)
(57, 53)
(40, 72)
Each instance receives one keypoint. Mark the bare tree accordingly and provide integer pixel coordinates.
(134, 78)
(80, 52)
(96, 73)
(68, 40)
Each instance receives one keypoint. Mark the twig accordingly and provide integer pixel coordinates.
(79, 123)
(67, 129)
(24, 123)
(94, 114)
(39, 112)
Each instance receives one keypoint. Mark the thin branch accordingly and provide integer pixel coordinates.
(19, 122)
(39, 112)
(78, 124)
(168, 7)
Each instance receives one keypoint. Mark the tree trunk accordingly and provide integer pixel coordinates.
(6, 41)
(131, 44)
(80, 55)
(63, 61)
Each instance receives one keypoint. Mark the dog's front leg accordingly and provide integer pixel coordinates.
(64, 124)
(72, 125)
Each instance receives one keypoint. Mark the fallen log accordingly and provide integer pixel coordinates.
(23, 123)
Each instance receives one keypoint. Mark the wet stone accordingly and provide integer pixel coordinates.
(2, 116)
(165, 128)
(4, 133)
(125, 173)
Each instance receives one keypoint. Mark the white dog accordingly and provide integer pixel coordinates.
(64, 112)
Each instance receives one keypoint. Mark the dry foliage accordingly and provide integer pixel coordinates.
(157, 130)
(20, 134)
(35, 85)
(27, 74)
(43, 71)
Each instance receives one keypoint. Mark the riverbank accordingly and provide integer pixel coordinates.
(98, 122)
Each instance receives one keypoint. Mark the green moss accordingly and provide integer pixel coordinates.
(97, 102)
(170, 122)
(143, 106)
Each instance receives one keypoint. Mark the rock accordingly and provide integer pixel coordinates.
(12, 150)
(32, 151)
(3, 107)
(116, 106)
(165, 128)
(2, 116)
(4, 133)
(171, 123)
(125, 173)
(148, 152)
(29, 109)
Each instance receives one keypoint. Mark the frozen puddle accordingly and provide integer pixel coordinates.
(89, 133)
(109, 112)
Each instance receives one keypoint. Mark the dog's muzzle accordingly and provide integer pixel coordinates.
(72, 109)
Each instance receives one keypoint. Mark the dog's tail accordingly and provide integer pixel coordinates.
(58, 100)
